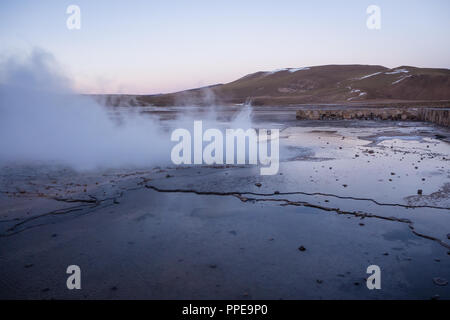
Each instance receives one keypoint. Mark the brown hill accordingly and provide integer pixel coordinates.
(320, 84)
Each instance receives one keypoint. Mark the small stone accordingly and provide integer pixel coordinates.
(440, 281)
(392, 173)
(277, 192)
(361, 224)
(419, 191)
(371, 151)
(319, 281)
(54, 235)
(258, 184)
(344, 185)
(116, 201)
(386, 254)
(301, 248)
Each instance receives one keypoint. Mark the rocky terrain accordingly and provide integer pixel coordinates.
(348, 194)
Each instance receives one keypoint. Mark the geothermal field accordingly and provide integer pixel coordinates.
(348, 194)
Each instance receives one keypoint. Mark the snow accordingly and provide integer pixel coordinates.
(403, 78)
(397, 71)
(292, 70)
(360, 93)
(370, 75)
(275, 71)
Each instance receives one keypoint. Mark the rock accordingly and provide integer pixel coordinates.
(448, 235)
(386, 254)
(319, 281)
(116, 201)
(392, 173)
(301, 248)
(361, 224)
(419, 191)
(440, 281)
(344, 185)
(277, 192)
(258, 184)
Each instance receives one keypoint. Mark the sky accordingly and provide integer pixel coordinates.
(149, 47)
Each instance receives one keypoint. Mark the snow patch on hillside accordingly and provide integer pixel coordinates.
(292, 70)
(369, 75)
(397, 71)
(402, 78)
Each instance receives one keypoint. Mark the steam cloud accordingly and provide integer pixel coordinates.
(42, 119)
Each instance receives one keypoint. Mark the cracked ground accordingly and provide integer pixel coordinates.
(348, 196)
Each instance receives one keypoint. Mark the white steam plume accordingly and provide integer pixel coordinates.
(42, 119)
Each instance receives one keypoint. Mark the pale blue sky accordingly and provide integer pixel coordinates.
(162, 46)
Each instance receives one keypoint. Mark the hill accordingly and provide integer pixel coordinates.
(320, 84)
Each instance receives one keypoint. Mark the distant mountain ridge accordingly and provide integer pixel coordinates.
(319, 84)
